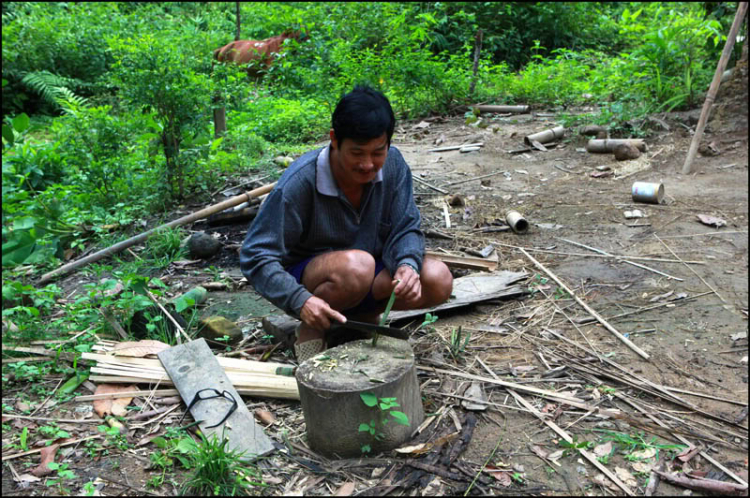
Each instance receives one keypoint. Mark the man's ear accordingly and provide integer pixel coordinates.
(334, 140)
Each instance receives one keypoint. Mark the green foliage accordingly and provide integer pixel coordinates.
(281, 120)
(384, 407)
(218, 471)
(63, 474)
(637, 442)
(458, 343)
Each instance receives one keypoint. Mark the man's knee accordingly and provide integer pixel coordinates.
(437, 281)
(357, 268)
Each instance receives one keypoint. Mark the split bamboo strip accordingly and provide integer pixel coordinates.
(593, 313)
(227, 363)
(605, 253)
(289, 392)
(702, 453)
(689, 268)
(569, 439)
(128, 394)
(564, 398)
(637, 258)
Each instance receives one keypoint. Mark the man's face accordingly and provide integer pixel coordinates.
(357, 163)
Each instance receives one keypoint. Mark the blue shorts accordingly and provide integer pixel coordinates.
(368, 304)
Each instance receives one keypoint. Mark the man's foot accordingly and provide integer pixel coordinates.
(310, 342)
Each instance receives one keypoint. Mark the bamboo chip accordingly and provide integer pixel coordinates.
(596, 315)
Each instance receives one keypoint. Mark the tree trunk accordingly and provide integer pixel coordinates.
(220, 116)
(237, 35)
(171, 154)
(477, 52)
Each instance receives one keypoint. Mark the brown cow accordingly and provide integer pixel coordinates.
(258, 52)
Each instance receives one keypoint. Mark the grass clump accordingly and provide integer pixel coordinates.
(218, 471)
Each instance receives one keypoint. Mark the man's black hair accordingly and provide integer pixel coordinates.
(363, 114)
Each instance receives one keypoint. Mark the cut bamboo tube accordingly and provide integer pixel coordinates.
(520, 109)
(247, 196)
(591, 311)
(714, 88)
(609, 144)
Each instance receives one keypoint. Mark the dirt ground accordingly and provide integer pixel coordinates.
(690, 319)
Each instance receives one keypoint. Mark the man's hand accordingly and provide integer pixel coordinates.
(318, 314)
(409, 290)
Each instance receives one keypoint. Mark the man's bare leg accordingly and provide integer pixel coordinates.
(341, 278)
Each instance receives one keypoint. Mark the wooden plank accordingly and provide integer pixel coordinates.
(467, 262)
(192, 367)
(473, 289)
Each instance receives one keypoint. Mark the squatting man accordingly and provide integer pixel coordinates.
(340, 231)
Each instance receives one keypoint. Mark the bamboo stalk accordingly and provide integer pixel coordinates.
(591, 311)
(247, 196)
(714, 88)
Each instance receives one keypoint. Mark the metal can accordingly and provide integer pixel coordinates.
(648, 193)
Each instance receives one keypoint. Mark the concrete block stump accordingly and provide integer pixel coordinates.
(330, 385)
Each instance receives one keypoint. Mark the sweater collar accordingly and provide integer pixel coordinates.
(324, 180)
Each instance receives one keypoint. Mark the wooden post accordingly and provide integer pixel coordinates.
(237, 16)
(141, 237)
(714, 88)
(477, 52)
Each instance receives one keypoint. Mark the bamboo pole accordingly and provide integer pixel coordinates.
(714, 88)
(591, 311)
(246, 197)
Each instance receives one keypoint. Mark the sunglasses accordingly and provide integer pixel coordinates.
(216, 394)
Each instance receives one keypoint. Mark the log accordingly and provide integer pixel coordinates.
(47, 277)
(603, 145)
(518, 109)
(714, 88)
(330, 391)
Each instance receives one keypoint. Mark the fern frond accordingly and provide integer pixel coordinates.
(54, 89)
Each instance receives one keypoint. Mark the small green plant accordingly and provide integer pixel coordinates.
(561, 293)
(63, 474)
(385, 407)
(632, 443)
(576, 445)
(458, 346)
(53, 432)
(114, 437)
(24, 438)
(429, 319)
(218, 471)
(89, 489)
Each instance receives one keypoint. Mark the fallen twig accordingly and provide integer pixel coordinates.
(596, 315)
(474, 178)
(615, 256)
(171, 318)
